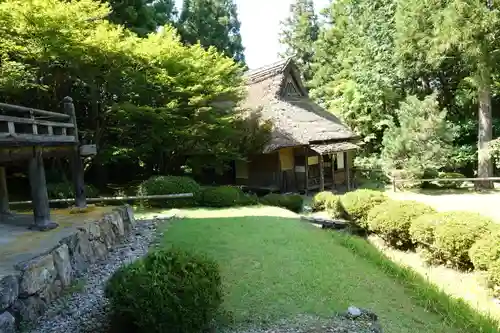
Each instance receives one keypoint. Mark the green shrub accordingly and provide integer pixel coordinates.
(422, 229)
(485, 251)
(357, 204)
(291, 202)
(319, 200)
(455, 234)
(167, 291)
(450, 183)
(493, 276)
(160, 185)
(66, 190)
(392, 220)
(334, 207)
(226, 196)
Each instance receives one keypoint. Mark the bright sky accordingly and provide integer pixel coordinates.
(260, 27)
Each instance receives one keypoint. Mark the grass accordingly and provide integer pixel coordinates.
(276, 267)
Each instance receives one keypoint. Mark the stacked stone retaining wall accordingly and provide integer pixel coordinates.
(26, 293)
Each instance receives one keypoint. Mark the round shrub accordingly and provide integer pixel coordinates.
(357, 204)
(167, 291)
(493, 276)
(451, 183)
(159, 185)
(291, 202)
(334, 207)
(226, 196)
(455, 234)
(392, 220)
(422, 229)
(485, 251)
(320, 199)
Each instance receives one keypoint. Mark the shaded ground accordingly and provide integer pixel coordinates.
(18, 243)
(279, 267)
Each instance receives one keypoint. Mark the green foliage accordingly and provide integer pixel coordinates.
(493, 276)
(422, 139)
(455, 234)
(160, 185)
(422, 229)
(320, 199)
(451, 183)
(485, 251)
(66, 190)
(226, 196)
(291, 202)
(167, 291)
(393, 218)
(212, 23)
(358, 203)
(334, 207)
(299, 33)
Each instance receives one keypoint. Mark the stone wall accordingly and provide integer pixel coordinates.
(26, 294)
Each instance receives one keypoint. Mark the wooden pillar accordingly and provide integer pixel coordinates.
(76, 161)
(4, 194)
(41, 209)
(321, 173)
(306, 155)
(347, 171)
(333, 171)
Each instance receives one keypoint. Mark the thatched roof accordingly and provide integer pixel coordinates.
(296, 120)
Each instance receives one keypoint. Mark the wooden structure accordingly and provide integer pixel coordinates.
(310, 149)
(28, 135)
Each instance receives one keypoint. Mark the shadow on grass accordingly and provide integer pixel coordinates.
(455, 311)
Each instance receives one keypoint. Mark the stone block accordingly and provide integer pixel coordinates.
(52, 292)
(36, 274)
(9, 290)
(62, 262)
(108, 236)
(117, 224)
(30, 309)
(7, 323)
(100, 250)
(80, 251)
(92, 229)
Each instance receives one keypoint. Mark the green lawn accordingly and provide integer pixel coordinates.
(276, 267)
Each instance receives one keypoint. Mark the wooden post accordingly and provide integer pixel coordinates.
(4, 194)
(333, 171)
(76, 161)
(394, 183)
(41, 209)
(347, 171)
(321, 173)
(306, 155)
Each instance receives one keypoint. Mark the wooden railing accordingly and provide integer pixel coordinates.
(21, 125)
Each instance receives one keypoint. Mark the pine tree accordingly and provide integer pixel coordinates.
(300, 31)
(142, 16)
(212, 23)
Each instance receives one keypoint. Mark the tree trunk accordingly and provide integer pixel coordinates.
(484, 162)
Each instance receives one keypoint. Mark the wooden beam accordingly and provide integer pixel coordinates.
(306, 164)
(19, 108)
(41, 209)
(20, 120)
(347, 171)
(333, 171)
(9, 139)
(321, 173)
(4, 194)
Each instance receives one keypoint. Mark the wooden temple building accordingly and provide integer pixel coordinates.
(27, 136)
(310, 148)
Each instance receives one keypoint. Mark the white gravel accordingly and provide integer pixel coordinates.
(84, 311)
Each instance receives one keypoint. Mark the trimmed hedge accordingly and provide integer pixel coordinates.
(358, 203)
(158, 185)
(493, 276)
(450, 183)
(320, 199)
(422, 229)
(485, 251)
(291, 202)
(455, 234)
(393, 218)
(167, 291)
(334, 207)
(226, 196)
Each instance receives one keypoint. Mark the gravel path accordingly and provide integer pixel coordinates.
(84, 311)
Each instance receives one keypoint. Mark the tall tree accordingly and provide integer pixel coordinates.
(212, 23)
(300, 32)
(142, 16)
(467, 31)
